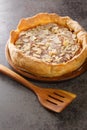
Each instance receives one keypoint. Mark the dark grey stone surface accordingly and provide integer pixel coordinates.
(19, 107)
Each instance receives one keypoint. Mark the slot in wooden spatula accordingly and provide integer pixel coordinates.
(53, 99)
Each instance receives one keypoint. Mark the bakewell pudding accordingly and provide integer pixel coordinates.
(48, 45)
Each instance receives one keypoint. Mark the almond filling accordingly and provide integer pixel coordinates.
(50, 42)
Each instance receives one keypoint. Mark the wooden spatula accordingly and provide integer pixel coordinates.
(53, 99)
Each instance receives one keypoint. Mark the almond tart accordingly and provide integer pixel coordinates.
(48, 45)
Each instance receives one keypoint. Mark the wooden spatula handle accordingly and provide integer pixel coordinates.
(18, 78)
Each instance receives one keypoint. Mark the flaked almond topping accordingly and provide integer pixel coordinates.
(55, 29)
(41, 43)
(47, 59)
(32, 38)
(50, 42)
(36, 55)
(25, 48)
(34, 48)
(67, 56)
(38, 51)
(18, 42)
(65, 42)
(28, 34)
(74, 36)
(53, 52)
(25, 39)
(47, 44)
(43, 47)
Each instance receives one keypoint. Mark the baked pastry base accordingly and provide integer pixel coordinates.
(68, 76)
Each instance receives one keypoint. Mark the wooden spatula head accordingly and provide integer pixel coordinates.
(55, 99)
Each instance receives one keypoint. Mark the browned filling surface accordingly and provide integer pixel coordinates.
(50, 42)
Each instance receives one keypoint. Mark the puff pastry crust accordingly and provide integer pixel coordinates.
(37, 66)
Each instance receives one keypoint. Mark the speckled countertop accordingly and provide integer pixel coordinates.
(19, 107)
